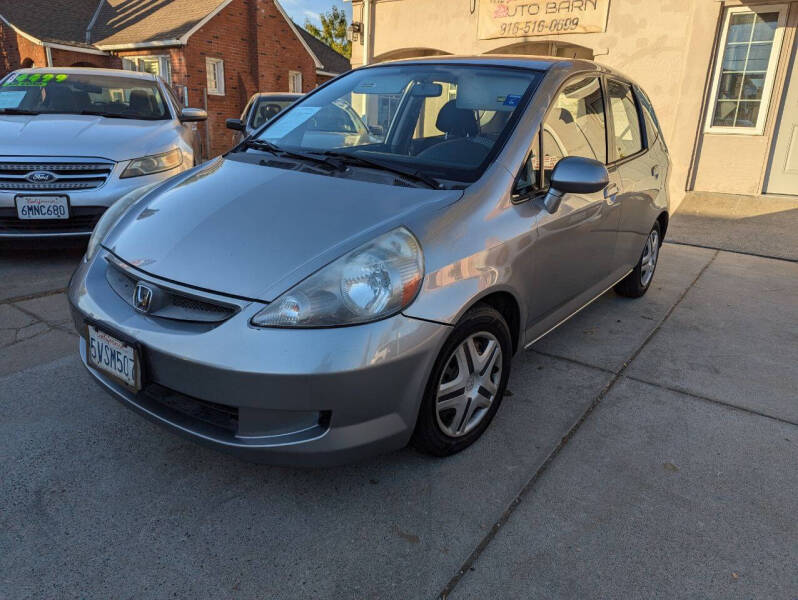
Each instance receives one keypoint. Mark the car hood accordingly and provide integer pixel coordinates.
(83, 135)
(254, 231)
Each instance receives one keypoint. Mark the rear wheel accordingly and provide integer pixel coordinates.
(467, 383)
(639, 280)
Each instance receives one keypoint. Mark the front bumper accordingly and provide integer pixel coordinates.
(308, 397)
(86, 207)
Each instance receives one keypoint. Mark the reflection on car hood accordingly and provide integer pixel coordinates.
(254, 231)
(83, 135)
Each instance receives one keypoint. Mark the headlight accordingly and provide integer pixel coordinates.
(110, 218)
(153, 164)
(372, 282)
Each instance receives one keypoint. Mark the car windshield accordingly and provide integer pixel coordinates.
(268, 107)
(443, 121)
(71, 93)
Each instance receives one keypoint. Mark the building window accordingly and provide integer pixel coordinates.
(160, 66)
(295, 82)
(214, 68)
(744, 75)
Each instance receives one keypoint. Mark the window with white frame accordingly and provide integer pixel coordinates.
(746, 69)
(214, 68)
(160, 66)
(295, 82)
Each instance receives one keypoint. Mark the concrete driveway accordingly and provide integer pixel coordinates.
(646, 449)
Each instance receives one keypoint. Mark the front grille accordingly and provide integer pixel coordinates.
(167, 303)
(219, 415)
(82, 219)
(65, 176)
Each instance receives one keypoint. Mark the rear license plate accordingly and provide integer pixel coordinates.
(116, 358)
(42, 207)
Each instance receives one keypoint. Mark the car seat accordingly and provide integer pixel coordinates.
(460, 126)
(141, 103)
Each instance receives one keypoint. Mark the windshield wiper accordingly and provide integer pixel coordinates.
(277, 151)
(417, 176)
(98, 113)
(18, 111)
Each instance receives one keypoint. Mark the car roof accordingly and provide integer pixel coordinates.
(90, 71)
(563, 66)
(288, 95)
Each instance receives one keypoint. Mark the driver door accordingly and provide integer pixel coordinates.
(575, 247)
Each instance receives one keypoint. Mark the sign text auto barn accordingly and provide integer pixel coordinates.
(522, 18)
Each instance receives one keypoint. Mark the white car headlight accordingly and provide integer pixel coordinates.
(157, 163)
(372, 282)
(111, 217)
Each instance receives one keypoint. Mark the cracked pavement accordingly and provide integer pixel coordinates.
(647, 449)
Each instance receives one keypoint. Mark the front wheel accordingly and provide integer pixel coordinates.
(467, 383)
(639, 280)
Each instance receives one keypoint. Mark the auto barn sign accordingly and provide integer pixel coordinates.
(524, 18)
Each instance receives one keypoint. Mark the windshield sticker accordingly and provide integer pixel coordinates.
(11, 99)
(35, 79)
(512, 100)
(291, 121)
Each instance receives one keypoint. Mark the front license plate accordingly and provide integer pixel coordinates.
(42, 207)
(113, 356)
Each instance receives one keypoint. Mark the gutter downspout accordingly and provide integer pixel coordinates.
(48, 52)
(368, 24)
(93, 21)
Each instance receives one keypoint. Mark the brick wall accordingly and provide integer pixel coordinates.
(68, 58)
(258, 49)
(15, 50)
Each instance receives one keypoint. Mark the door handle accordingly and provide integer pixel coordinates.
(655, 172)
(611, 191)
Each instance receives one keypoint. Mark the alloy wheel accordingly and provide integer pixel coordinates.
(649, 260)
(468, 384)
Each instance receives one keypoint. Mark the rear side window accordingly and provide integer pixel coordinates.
(653, 129)
(575, 125)
(627, 136)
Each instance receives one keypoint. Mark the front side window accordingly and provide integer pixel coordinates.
(745, 72)
(575, 125)
(70, 93)
(214, 68)
(627, 136)
(528, 181)
(445, 121)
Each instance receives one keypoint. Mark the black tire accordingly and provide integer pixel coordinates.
(482, 320)
(636, 284)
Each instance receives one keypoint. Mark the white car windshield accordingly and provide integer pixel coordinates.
(442, 120)
(87, 94)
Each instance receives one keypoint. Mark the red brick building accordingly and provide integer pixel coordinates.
(214, 53)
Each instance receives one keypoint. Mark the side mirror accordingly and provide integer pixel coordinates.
(235, 124)
(575, 175)
(376, 130)
(192, 115)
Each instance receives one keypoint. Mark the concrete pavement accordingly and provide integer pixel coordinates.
(764, 225)
(647, 449)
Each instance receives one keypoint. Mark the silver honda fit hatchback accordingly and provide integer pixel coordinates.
(303, 305)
